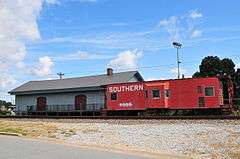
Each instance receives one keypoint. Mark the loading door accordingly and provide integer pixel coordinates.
(201, 102)
(41, 103)
(80, 102)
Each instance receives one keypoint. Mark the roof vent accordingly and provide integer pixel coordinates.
(109, 71)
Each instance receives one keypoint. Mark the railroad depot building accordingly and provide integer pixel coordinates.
(79, 94)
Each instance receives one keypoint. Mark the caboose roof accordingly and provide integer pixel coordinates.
(87, 82)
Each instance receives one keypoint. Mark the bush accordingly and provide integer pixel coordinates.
(5, 112)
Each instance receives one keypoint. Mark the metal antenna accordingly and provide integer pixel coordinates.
(177, 46)
(60, 74)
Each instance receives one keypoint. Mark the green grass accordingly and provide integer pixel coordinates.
(12, 130)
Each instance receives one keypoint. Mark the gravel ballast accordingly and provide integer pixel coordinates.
(196, 138)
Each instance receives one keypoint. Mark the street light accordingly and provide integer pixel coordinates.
(177, 46)
(60, 74)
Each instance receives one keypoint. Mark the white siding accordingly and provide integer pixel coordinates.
(22, 101)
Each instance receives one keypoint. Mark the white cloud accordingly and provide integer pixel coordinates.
(83, 55)
(196, 33)
(171, 26)
(44, 66)
(53, 2)
(237, 65)
(171, 21)
(89, 1)
(57, 2)
(6, 80)
(182, 27)
(126, 60)
(175, 71)
(85, 1)
(118, 40)
(18, 26)
(195, 14)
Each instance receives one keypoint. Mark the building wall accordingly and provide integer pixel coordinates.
(93, 97)
(22, 101)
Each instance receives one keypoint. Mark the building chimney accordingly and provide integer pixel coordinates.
(109, 71)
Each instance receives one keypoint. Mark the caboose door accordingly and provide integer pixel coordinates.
(201, 102)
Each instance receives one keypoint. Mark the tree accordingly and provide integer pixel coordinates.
(213, 65)
(227, 66)
(210, 66)
(198, 75)
(6, 104)
(237, 82)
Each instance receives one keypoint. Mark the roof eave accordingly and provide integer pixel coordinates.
(139, 76)
(82, 89)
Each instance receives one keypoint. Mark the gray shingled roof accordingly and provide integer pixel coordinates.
(79, 82)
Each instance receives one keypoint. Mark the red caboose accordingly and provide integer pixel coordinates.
(189, 93)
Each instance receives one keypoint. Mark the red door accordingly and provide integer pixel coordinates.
(80, 102)
(41, 103)
(201, 101)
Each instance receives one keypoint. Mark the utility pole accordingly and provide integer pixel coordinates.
(177, 46)
(60, 74)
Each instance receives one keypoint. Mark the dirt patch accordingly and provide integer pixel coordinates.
(29, 129)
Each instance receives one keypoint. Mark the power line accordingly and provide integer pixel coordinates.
(155, 67)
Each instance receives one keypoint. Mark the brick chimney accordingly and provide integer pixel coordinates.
(109, 71)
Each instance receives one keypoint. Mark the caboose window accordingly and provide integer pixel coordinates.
(199, 89)
(167, 93)
(209, 91)
(113, 96)
(156, 93)
(146, 94)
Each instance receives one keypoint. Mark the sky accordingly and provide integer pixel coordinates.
(40, 38)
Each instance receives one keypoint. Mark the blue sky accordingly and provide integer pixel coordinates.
(84, 37)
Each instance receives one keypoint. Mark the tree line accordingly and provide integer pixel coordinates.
(6, 104)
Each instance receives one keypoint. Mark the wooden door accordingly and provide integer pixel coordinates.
(80, 102)
(41, 103)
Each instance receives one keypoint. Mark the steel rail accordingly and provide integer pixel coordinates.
(214, 117)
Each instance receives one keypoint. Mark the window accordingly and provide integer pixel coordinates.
(199, 89)
(209, 91)
(113, 96)
(167, 93)
(156, 93)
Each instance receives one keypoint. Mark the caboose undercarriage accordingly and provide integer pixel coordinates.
(172, 112)
(220, 110)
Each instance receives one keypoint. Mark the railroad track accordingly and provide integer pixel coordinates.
(126, 117)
